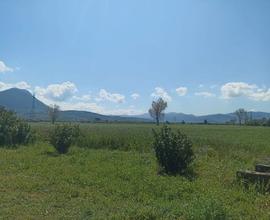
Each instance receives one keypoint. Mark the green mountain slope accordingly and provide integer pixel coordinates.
(22, 102)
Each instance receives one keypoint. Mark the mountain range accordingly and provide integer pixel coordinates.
(174, 117)
(29, 108)
(26, 106)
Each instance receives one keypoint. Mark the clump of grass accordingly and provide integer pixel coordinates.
(63, 136)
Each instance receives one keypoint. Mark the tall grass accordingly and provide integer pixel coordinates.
(112, 174)
(139, 137)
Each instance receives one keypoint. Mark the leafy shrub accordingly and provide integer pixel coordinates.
(173, 151)
(13, 131)
(63, 136)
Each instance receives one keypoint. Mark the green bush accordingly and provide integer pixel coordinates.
(63, 136)
(173, 151)
(13, 131)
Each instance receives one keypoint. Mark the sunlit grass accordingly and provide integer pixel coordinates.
(120, 181)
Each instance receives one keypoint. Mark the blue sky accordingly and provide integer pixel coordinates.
(115, 57)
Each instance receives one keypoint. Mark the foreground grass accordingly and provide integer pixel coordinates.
(112, 174)
(36, 183)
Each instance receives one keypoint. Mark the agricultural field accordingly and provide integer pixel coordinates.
(112, 174)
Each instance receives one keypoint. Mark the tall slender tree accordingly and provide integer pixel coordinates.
(53, 113)
(157, 110)
(242, 116)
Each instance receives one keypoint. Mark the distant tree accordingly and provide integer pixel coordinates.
(53, 113)
(97, 120)
(264, 121)
(242, 116)
(157, 110)
(183, 122)
(268, 122)
(205, 122)
(232, 121)
(250, 116)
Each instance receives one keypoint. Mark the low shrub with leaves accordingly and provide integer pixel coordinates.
(63, 136)
(13, 131)
(173, 151)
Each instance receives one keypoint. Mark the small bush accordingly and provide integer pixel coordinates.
(173, 151)
(13, 131)
(63, 136)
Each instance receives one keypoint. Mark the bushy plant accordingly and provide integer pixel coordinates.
(173, 151)
(13, 131)
(63, 136)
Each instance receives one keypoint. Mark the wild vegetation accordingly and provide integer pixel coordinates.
(63, 136)
(13, 131)
(173, 151)
(245, 118)
(111, 172)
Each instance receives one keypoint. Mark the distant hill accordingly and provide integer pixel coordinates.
(21, 102)
(214, 118)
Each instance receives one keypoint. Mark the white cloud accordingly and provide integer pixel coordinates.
(205, 94)
(251, 91)
(81, 106)
(83, 98)
(261, 95)
(19, 85)
(112, 97)
(201, 86)
(236, 89)
(181, 91)
(161, 93)
(123, 111)
(63, 95)
(94, 107)
(135, 96)
(4, 68)
(56, 92)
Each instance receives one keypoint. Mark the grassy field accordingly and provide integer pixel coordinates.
(112, 174)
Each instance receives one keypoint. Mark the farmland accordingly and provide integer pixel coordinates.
(112, 174)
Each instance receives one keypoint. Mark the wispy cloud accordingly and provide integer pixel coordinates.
(104, 95)
(205, 94)
(19, 85)
(83, 98)
(135, 96)
(4, 68)
(97, 108)
(181, 91)
(161, 93)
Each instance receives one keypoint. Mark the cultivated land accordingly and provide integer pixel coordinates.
(112, 174)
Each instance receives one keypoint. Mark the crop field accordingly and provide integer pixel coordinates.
(112, 174)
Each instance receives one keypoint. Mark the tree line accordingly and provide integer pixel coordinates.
(242, 117)
(157, 112)
(246, 118)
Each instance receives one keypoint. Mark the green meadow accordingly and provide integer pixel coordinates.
(112, 173)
